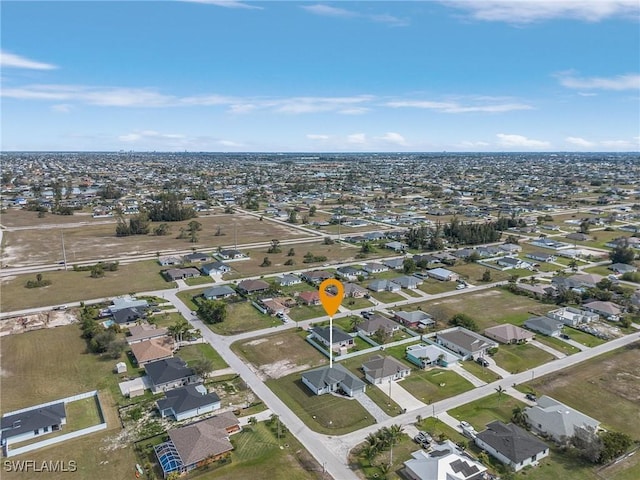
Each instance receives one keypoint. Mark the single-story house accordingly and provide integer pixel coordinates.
(351, 290)
(253, 286)
(622, 268)
(510, 248)
(548, 243)
(230, 254)
(128, 316)
(376, 322)
(40, 420)
(545, 325)
(414, 319)
(396, 246)
(126, 301)
(541, 257)
(216, 293)
(138, 333)
(350, 273)
(442, 274)
(608, 310)
(287, 280)
(152, 350)
(406, 281)
(444, 461)
(310, 298)
(559, 421)
(384, 286)
(538, 291)
(188, 402)
(197, 444)
(215, 268)
(316, 277)
(374, 267)
(170, 373)
(325, 380)
(170, 260)
(425, 355)
(573, 316)
(379, 369)
(511, 445)
(196, 257)
(394, 263)
(507, 333)
(465, 342)
(340, 338)
(580, 281)
(577, 236)
(511, 262)
(274, 307)
(174, 274)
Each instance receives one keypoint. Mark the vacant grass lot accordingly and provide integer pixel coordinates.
(473, 272)
(356, 303)
(287, 345)
(83, 242)
(243, 317)
(487, 409)
(433, 286)
(480, 372)
(73, 286)
(387, 297)
(611, 380)
(306, 312)
(488, 307)
(517, 358)
(583, 337)
(435, 384)
(327, 414)
(557, 344)
(202, 350)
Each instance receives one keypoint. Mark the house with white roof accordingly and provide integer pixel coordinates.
(559, 421)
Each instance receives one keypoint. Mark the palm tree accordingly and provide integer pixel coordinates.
(355, 321)
(519, 416)
(373, 440)
(369, 452)
(500, 391)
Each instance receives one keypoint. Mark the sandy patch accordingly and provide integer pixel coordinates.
(281, 368)
(27, 323)
(257, 341)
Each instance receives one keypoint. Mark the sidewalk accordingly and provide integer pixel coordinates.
(467, 375)
(548, 349)
(496, 369)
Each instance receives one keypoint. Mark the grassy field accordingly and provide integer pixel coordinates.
(610, 379)
(487, 409)
(435, 384)
(356, 303)
(387, 297)
(72, 286)
(201, 280)
(201, 350)
(326, 414)
(50, 364)
(436, 427)
(517, 358)
(480, 372)
(433, 286)
(306, 312)
(284, 346)
(243, 317)
(34, 246)
(583, 337)
(474, 271)
(557, 344)
(488, 307)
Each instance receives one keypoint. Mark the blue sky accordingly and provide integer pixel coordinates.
(321, 76)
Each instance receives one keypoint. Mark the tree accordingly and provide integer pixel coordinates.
(614, 445)
(381, 335)
(293, 216)
(312, 211)
(500, 391)
(212, 311)
(584, 226)
(97, 271)
(265, 262)
(253, 421)
(115, 348)
(366, 247)
(573, 265)
(519, 416)
(201, 366)
(291, 252)
(463, 320)
(275, 246)
(588, 443)
(486, 275)
(291, 261)
(369, 452)
(355, 321)
(622, 254)
(161, 230)
(409, 266)
(178, 329)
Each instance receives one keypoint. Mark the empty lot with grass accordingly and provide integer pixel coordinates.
(517, 358)
(434, 384)
(487, 409)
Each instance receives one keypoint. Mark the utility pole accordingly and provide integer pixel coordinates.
(64, 252)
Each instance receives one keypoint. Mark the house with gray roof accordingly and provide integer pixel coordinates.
(442, 274)
(573, 316)
(559, 421)
(545, 325)
(376, 322)
(508, 333)
(169, 373)
(608, 310)
(622, 268)
(374, 267)
(511, 445)
(340, 338)
(146, 331)
(445, 461)
(215, 268)
(414, 319)
(407, 281)
(465, 342)
(424, 355)
(353, 290)
(379, 369)
(288, 280)
(253, 286)
(337, 378)
(218, 292)
(174, 274)
(188, 402)
(31, 423)
(394, 263)
(384, 286)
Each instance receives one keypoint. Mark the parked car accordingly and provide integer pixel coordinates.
(531, 396)
(423, 439)
(461, 286)
(482, 362)
(565, 336)
(464, 424)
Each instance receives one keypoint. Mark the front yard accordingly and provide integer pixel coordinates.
(435, 384)
(518, 358)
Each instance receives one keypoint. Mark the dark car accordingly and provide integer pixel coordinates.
(564, 336)
(531, 396)
(482, 362)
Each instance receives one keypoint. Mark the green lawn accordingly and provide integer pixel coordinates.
(487, 409)
(187, 297)
(399, 352)
(480, 372)
(243, 317)
(356, 303)
(435, 384)
(199, 280)
(199, 350)
(474, 271)
(306, 312)
(166, 319)
(437, 427)
(584, 338)
(387, 297)
(326, 414)
(517, 358)
(70, 286)
(557, 344)
(433, 287)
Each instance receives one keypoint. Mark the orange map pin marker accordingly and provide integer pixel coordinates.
(331, 303)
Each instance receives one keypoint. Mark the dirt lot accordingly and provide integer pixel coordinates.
(43, 242)
(37, 321)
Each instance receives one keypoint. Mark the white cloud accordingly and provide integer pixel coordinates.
(313, 136)
(9, 60)
(455, 107)
(519, 141)
(629, 81)
(229, 143)
(227, 4)
(525, 11)
(357, 138)
(579, 142)
(329, 11)
(319, 104)
(469, 144)
(150, 134)
(61, 108)
(621, 144)
(394, 138)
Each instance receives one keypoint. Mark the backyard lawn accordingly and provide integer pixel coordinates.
(326, 414)
(435, 384)
(518, 358)
(487, 409)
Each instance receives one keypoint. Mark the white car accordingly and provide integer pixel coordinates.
(461, 286)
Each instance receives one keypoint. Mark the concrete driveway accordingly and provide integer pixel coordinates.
(401, 396)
